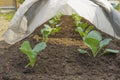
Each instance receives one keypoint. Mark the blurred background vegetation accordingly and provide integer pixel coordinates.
(9, 15)
(21, 1)
(118, 6)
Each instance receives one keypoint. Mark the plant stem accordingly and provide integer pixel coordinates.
(102, 54)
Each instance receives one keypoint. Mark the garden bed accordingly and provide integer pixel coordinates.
(60, 60)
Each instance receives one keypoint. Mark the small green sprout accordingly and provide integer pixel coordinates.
(46, 31)
(82, 28)
(32, 53)
(52, 28)
(76, 17)
(55, 20)
(55, 30)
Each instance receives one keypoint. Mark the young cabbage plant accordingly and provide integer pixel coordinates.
(46, 31)
(52, 28)
(83, 30)
(55, 20)
(76, 17)
(32, 53)
(55, 30)
(95, 43)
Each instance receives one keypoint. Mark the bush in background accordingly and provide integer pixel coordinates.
(21, 1)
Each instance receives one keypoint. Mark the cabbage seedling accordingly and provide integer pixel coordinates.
(76, 17)
(83, 30)
(55, 20)
(55, 23)
(46, 31)
(55, 30)
(95, 43)
(32, 53)
(52, 28)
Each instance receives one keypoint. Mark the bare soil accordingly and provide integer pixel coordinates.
(60, 60)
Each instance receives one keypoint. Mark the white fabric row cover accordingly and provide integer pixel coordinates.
(33, 13)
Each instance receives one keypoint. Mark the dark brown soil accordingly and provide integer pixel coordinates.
(60, 60)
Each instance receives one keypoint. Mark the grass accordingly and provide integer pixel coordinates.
(118, 7)
(7, 16)
(5, 19)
